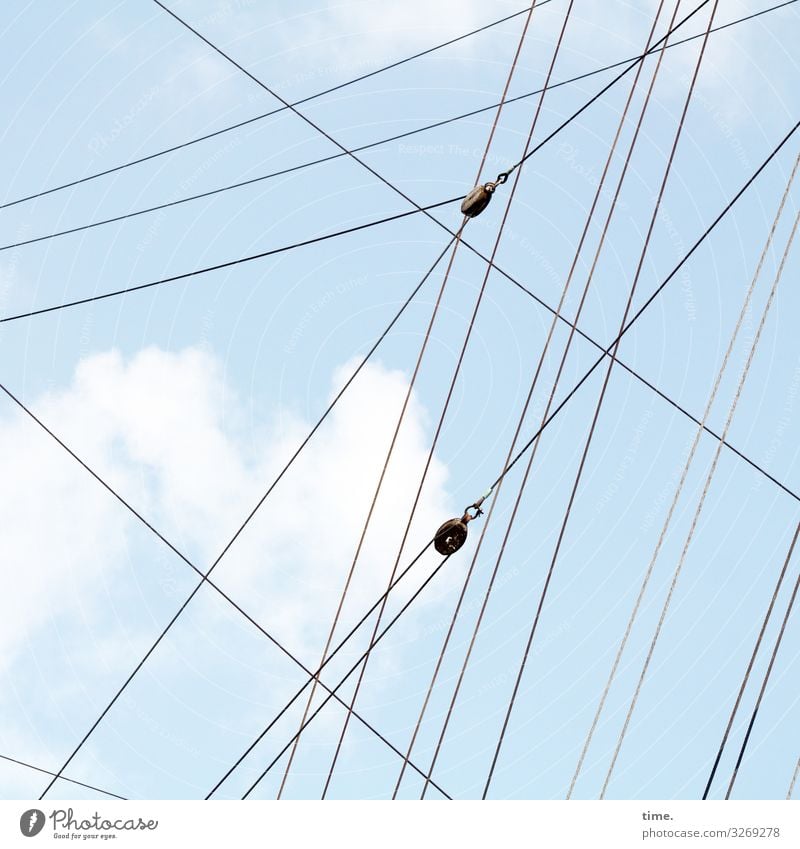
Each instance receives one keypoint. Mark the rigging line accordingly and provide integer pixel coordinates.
(294, 168)
(750, 664)
(595, 201)
(766, 680)
(395, 435)
(63, 777)
(603, 390)
(368, 167)
(790, 791)
(348, 674)
(467, 337)
(645, 382)
(682, 480)
(767, 246)
(241, 528)
(315, 676)
(222, 265)
(664, 283)
(269, 114)
(699, 508)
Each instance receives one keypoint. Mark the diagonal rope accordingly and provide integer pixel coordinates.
(534, 382)
(63, 777)
(790, 791)
(681, 483)
(761, 692)
(394, 438)
(352, 669)
(698, 510)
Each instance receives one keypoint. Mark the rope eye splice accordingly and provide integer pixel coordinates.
(453, 533)
(478, 199)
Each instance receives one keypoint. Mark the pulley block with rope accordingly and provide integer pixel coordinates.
(478, 199)
(453, 533)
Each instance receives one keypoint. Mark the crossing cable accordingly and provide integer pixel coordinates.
(462, 354)
(275, 482)
(790, 791)
(761, 692)
(523, 415)
(63, 777)
(681, 483)
(751, 662)
(400, 419)
(653, 295)
(699, 508)
(598, 407)
(227, 129)
(272, 112)
(368, 146)
(352, 669)
(315, 675)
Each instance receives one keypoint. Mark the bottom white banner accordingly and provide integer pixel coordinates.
(403, 824)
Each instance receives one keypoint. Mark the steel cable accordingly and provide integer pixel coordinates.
(682, 480)
(698, 510)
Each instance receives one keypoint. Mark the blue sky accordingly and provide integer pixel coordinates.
(188, 398)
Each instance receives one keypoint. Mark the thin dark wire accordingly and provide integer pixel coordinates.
(272, 486)
(457, 370)
(222, 265)
(63, 777)
(767, 674)
(359, 149)
(315, 675)
(751, 663)
(649, 300)
(349, 673)
(269, 114)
